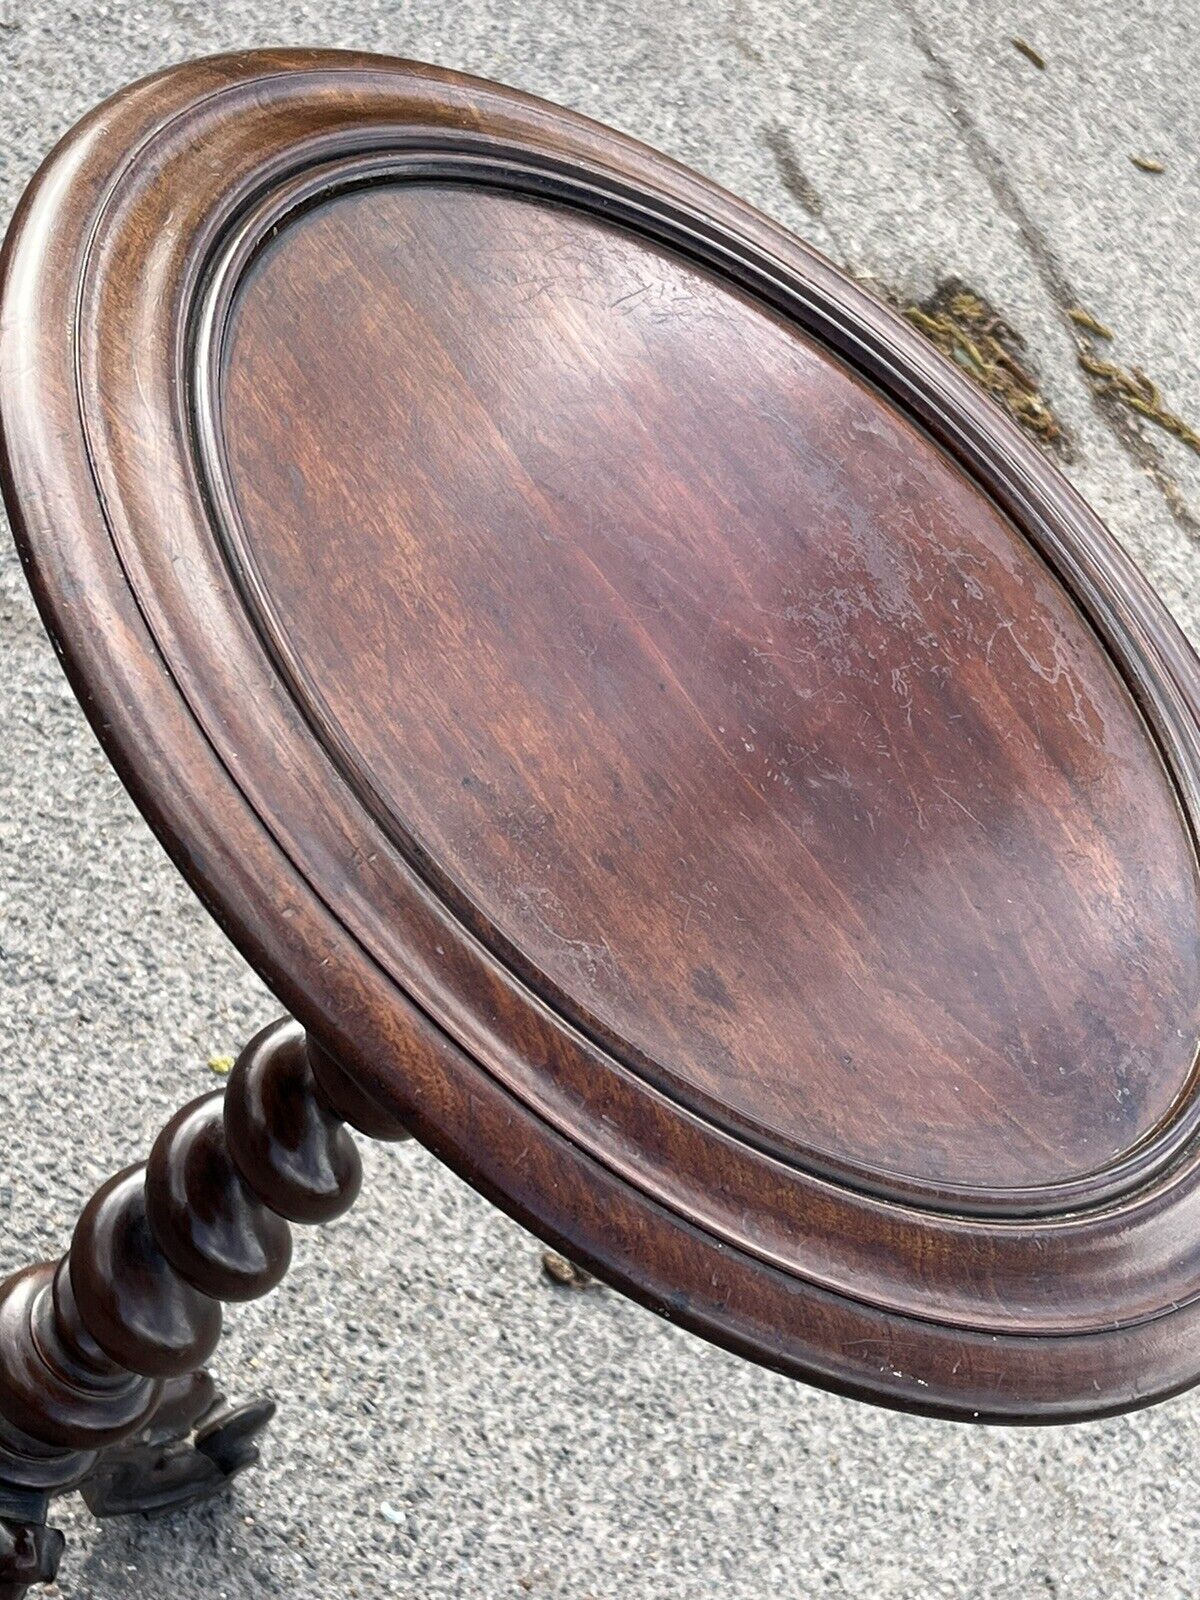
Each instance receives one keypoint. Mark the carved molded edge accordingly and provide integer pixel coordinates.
(455, 1102)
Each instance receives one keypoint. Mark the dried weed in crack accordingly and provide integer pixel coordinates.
(565, 1273)
(1122, 423)
(977, 338)
(1085, 319)
(1029, 52)
(1129, 387)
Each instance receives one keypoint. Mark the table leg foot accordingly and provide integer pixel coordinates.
(29, 1554)
(102, 1355)
(192, 1448)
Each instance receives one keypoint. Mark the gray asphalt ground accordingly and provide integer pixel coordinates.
(451, 1424)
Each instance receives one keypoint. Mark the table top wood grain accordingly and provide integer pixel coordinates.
(651, 718)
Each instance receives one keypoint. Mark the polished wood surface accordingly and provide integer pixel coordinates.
(668, 739)
(92, 1346)
(711, 690)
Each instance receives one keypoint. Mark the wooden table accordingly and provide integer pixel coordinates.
(669, 742)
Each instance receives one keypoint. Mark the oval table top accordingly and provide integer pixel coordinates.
(640, 707)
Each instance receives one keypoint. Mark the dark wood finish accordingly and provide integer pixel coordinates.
(29, 1554)
(106, 1345)
(669, 740)
(89, 1342)
(759, 739)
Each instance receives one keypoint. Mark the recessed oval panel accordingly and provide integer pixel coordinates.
(710, 691)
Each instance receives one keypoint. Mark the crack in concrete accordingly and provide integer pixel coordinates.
(1125, 429)
(791, 174)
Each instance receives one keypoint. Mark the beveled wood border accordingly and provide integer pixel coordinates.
(1041, 1319)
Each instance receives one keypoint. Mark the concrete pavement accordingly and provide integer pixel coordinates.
(451, 1424)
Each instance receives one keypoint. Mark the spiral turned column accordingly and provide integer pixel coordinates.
(107, 1344)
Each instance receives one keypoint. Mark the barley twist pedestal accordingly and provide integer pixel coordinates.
(671, 744)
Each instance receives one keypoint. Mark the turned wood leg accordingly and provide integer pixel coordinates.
(102, 1386)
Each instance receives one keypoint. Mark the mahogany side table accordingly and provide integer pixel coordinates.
(671, 745)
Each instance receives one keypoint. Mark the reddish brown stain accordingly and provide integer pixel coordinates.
(709, 682)
(754, 493)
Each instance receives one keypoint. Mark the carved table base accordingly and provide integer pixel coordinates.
(102, 1381)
